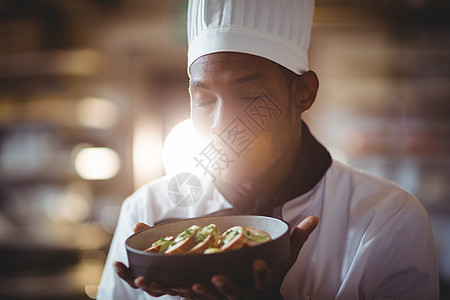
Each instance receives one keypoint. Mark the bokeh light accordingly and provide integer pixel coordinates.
(97, 163)
(97, 113)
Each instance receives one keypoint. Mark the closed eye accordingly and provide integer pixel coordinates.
(204, 103)
(202, 98)
(253, 98)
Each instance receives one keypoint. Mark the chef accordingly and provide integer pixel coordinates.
(355, 236)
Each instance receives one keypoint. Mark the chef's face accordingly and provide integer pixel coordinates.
(242, 105)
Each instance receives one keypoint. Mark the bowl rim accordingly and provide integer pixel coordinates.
(156, 254)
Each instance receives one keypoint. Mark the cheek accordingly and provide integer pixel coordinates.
(247, 152)
(273, 141)
(201, 121)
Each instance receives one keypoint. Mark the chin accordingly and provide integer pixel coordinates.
(245, 174)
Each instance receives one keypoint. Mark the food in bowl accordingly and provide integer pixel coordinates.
(189, 269)
(208, 240)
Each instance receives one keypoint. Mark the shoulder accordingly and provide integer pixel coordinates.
(152, 193)
(150, 189)
(169, 184)
(360, 178)
(347, 193)
(367, 190)
(395, 236)
(176, 196)
(380, 204)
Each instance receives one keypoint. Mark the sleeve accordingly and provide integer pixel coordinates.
(404, 265)
(111, 285)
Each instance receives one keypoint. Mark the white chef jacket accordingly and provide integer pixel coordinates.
(373, 241)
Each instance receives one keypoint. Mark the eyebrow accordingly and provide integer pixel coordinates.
(251, 77)
(196, 83)
(241, 80)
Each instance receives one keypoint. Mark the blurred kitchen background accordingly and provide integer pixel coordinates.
(90, 89)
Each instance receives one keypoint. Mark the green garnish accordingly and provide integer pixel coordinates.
(205, 231)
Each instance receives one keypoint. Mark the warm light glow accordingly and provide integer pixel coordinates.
(147, 152)
(97, 163)
(180, 147)
(97, 113)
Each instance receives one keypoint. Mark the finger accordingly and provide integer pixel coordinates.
(140, 226)
(309, 224)
(261, 275)
(124, 273)
(205, 291)
(181, 290)
(227, 288)
(187, 292)
(301, 234)
(153, 288)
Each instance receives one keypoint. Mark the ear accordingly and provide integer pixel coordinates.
(304, 91)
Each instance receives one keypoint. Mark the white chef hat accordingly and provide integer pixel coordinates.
(278, 30)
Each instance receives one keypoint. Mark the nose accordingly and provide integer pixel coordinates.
(223, 114)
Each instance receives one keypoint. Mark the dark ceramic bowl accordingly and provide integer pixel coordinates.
(187, 269)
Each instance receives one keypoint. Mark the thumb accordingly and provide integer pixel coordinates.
(140, 226)
(301, 234)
